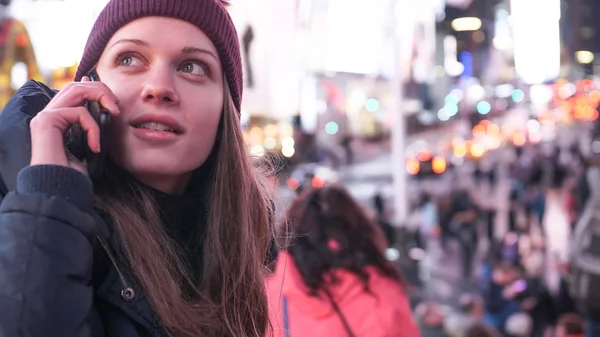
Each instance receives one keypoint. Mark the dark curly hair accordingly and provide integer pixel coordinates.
(328, 230)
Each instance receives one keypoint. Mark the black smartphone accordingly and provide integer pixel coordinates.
(96, 161)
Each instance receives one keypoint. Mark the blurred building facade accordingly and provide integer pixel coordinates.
(324, 69)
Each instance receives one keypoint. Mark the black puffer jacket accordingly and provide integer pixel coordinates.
(49, 233)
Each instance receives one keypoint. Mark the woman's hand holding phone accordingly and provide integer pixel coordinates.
(65, 109)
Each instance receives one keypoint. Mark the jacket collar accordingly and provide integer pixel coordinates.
(15, 138)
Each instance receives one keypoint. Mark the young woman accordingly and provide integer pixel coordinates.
(334, 280)
(170, 239)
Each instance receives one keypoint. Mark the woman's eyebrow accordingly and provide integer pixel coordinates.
(191, 49)
(135, 41)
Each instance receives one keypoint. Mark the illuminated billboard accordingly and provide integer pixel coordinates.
(536, 34)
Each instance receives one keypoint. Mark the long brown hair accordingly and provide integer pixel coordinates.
(227, 295)
(328, 230)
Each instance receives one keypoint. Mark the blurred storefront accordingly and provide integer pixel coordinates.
(272, 72)
(17, 58)
(58, 28)
(43, 40)
(324, 64)
(348, 61)
(350, 58)
(352, 104)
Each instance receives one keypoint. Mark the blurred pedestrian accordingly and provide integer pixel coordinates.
(500, 294)
(519, 325)
(333, 279)
(431, 319)
(465, 220)
(563, 299)
(445, 213)
(346, 144)
(383, 220)
(429, 219)
(570, 325)
(481, 330)
(471, 312)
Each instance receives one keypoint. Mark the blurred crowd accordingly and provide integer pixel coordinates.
(508, 268)
(333, 276)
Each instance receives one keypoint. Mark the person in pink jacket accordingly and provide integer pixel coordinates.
(333, 279)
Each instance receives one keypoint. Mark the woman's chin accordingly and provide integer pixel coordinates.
(155, 170)
(173, 182)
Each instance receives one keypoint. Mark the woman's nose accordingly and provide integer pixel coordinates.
(160, 88)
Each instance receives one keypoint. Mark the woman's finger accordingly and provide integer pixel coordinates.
(76, 93)
(61, 119)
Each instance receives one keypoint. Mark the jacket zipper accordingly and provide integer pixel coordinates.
(127, 293)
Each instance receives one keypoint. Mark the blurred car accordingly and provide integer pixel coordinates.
(427, 165)
(311, 175)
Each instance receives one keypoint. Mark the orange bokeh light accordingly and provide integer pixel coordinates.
(519, 139)
(460, 150)
(438, 165)
(318, 182)
(413, 166)
(477, 150)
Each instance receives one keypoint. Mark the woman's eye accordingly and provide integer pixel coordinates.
(193, 68)
(128, 61)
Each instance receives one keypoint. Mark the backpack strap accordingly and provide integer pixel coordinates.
(286, 322)
(339, 312)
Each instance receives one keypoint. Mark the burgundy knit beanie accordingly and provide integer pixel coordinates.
(208, 15)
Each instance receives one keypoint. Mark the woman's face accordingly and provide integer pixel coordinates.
(167, 76)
